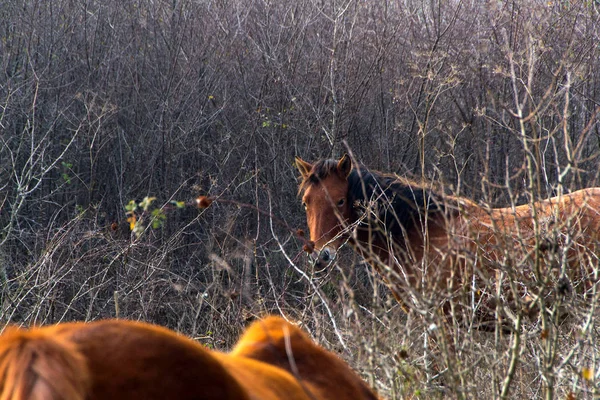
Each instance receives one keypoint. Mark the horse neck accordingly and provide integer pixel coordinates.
(400, 207)
(403, 243)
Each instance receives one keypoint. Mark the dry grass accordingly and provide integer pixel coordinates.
(84, 272)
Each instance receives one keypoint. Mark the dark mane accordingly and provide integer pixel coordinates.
(400, 204)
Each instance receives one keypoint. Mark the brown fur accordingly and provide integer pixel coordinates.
(445, 236)
(119, 359)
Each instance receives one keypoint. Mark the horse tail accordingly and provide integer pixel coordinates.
(37, 364)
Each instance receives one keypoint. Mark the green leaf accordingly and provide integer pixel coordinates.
(131, 206)
(158, 218)
(66, 178)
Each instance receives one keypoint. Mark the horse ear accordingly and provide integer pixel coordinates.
(303, 166)
(345, 165)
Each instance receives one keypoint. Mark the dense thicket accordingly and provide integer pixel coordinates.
(103, 102)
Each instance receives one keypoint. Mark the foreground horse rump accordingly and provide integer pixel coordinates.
(119, 359)
(420, 238)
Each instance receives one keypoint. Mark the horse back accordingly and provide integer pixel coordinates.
(562, 225)
(576, 213)
(112, 360)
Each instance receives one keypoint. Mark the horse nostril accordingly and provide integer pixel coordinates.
(325, 255)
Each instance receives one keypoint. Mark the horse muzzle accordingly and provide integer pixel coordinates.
(325, 256)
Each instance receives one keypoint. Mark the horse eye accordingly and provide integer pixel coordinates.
(304, 205)
(341, 202)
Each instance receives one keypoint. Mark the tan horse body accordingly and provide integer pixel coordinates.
(419, 239)
(118, 359)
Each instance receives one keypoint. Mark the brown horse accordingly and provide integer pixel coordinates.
(419, 238)
(118, 359)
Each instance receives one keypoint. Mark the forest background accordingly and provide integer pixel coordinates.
(107, 102)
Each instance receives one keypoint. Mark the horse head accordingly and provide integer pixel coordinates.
(324, 191)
